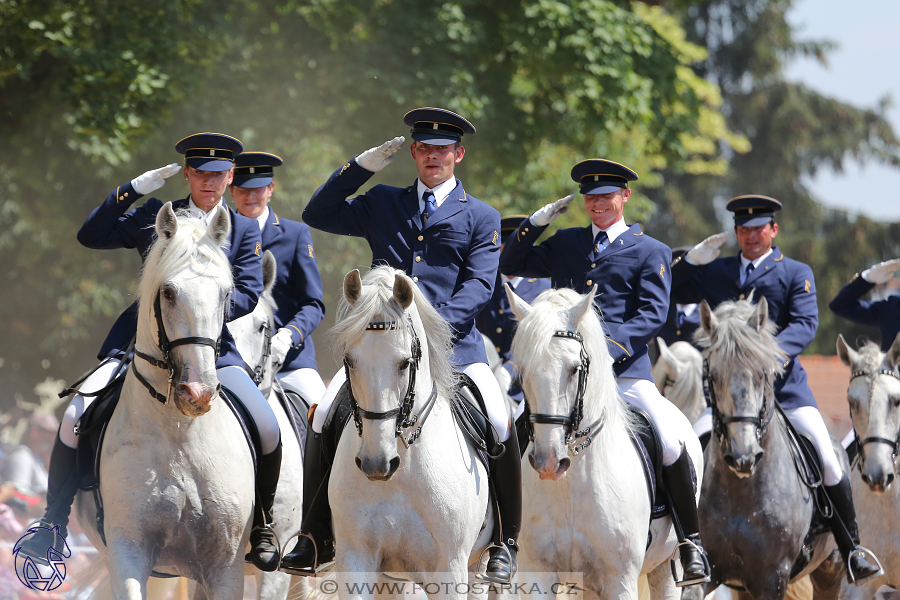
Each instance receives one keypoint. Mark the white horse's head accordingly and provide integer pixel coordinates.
(678, 374)
(253, 332)
(188, 277)
(395, 347)
(743, 360)
(874, 396)
(554, 373)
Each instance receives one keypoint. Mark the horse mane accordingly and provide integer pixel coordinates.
(190, 247)
(376, 302)
(531, 345)
(690, 386)
(738, 343)
(870, 357)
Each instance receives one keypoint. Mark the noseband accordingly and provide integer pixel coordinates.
(870, 377)
(403, 413)
(573, 421)
(165, 346)
(720, 421)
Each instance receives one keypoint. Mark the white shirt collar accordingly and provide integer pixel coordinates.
(209, 215)
(613, 231)
(440, 192)
(512, 281)
(263, 218)
(746, 261)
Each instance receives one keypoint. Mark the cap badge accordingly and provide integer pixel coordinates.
(750, 210)
(253, 169)
(212, 152)
(596, 178)
(435, 126)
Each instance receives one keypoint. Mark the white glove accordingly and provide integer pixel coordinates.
(882, 272)
(375, 159)
(706, 251)
(153, 180)
(503, 378)
(546, 215)
(281, 345)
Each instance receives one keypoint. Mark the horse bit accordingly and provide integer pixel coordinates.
(573, 421)
(720, 421)
(870, 377)
(165, 346)
(403, 413)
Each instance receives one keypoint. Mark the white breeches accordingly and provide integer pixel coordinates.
(79, 403)
(307, 381)
(479, 372)
(674, 428)
(237, 380)
(808, 420)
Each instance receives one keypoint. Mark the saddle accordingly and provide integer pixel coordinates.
(297, 408)
(646, 440)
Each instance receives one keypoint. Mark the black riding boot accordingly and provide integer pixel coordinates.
(846, 534)
(506, 477)
(680, 486)
(264, 551)
(304, 558)
(62, 485)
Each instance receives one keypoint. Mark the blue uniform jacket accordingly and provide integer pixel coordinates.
(452, 258)
(884, 314)
(790, 291)
(498, 322)
(298, 287)
(679, 327)
(111, 225)
(631, 274)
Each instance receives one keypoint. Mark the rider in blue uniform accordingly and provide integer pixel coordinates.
(631, 271)
(448, 242)
(298, 286)
(209, 158)
(883, 314)
(498, 322)
(789, 289)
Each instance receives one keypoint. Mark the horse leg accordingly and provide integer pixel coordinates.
(768, 586)
(227, 583)
(129, 568)
(358, 578)
(272, 586)
(829, 578)
(662, 584)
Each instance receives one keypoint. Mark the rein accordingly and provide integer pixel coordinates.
(895, 443)
(402, 413)
(573, 421)
(720, 421)
(259, 372)
(165, 346)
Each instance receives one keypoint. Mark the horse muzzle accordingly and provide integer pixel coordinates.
(549, 467)
(743, 464)
(195, 398)
(378, 469)
(877, 478)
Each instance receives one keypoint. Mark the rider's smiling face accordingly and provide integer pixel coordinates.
(756, 241)
(207, 187)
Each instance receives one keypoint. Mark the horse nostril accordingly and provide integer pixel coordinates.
(888, 479)
(729, 460)
(757, 458)
(218, 389)
(395, 464)
(531, 460)
(865, 478)
(359, 464)
(563, 465)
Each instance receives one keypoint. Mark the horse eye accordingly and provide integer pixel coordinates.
(348, 361)
(895, 400)
(405, 364)
(169, 294)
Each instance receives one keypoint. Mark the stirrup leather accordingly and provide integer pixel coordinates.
(867, 554)
(316, 570)
(270, 527)
(513, 566)
(706, 568)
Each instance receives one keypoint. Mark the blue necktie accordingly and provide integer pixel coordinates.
(750, 268)
(430, 205)
(599, 240)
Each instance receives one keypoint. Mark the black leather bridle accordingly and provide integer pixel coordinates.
(895, 443)
(720, 421)
(259, 371)
(165, 346)
(403, 413)
(573, 421)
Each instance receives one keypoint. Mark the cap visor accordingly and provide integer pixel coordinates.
(209, 164)
(603, 189)
(753, 221)
(252, 182)
(432, 140)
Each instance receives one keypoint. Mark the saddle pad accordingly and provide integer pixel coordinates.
(296, 408)
(91, 428)
(251, 433)
(338, 416)
(470, 413)
(646, 441)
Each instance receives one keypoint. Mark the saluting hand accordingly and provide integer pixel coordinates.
(550, 212)
(281, 345)
(706, 251)
(377, 158)
(153, 180)
(882, 272)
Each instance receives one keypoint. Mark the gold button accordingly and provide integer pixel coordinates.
(589, 282)
(526, 230)
(741, 296)
(421, 237)
(498, 348)
(500, 310)
(126, 195)
(499, 330)
(416, 279)
(121, 197)
(418, 259)
(593, 265)
(677, 332)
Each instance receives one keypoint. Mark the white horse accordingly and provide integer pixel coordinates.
(873, 394)
(409, 495)
(679, 377)
(176, 476)
(596, 519)
(253, 337)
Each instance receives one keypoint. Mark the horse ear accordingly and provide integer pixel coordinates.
(519, 307)
(893, 354)
(760, 318)
(166, 223)
(577, 312)
(848, 355)
(707, 319)
(668, 359)
(270, 270)
(352, 286)
(220, 228)
(403, 291)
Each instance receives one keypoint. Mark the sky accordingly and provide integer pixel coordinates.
(864, 68)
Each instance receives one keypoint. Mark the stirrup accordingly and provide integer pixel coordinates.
(865, 553)
(316, 569)
(513, 568)
(271, 527)
(706, 567)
